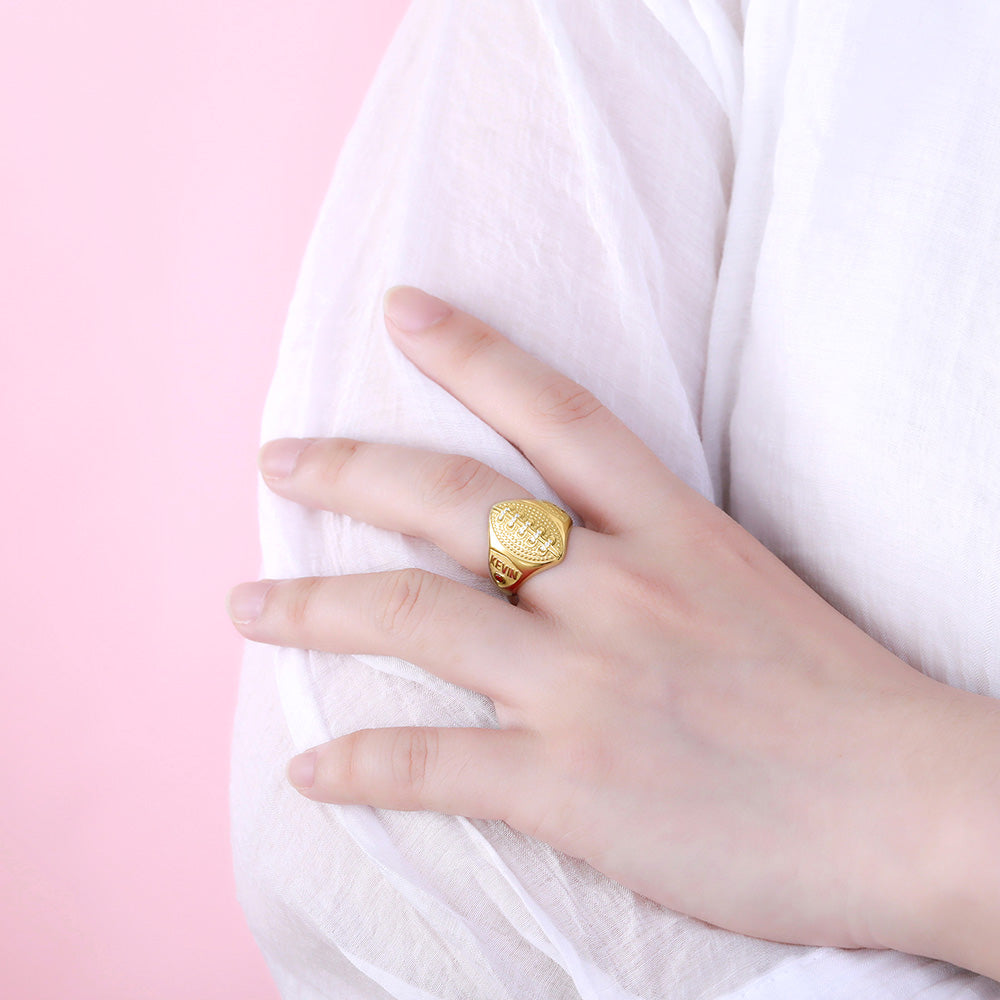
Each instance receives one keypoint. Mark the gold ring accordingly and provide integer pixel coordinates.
(526, 536)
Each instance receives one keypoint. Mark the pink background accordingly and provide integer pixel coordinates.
(162, 165)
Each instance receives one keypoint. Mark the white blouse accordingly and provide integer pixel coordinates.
(769, 239)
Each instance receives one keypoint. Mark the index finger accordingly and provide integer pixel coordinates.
(589, 457)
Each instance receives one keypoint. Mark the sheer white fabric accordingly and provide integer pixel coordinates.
(769, 239)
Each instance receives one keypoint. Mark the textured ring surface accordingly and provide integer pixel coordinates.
(526, 536)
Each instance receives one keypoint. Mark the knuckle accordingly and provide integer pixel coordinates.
(477, 341)
(455, 479)
(337, 459)
(666, 600)
(563, 401)
(414, 757)
(345, 771)
(716, 536)
(303, 600)
(585, 759)
(576, 767)
(402, 599)
(707, 528)
(645, 591)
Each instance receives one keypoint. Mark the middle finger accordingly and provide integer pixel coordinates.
(443, 498)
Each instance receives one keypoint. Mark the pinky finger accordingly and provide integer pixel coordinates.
(479, 773)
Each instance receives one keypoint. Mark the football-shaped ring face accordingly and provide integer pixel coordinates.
(527, 532)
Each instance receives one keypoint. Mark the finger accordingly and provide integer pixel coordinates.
(443, 498)
(481, 773)
(591, 459)
(463, 635)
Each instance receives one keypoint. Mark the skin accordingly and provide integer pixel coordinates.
(709, 732)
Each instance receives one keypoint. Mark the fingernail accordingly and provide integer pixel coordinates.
(277, 459)
(246, 601)
(302, 769)
(413, 310)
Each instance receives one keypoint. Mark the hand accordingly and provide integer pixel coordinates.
(675, 706)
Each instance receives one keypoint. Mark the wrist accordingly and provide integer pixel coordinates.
(951, 906)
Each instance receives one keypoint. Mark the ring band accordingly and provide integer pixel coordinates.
(526, 536)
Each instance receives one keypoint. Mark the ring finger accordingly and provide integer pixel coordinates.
(460, 634)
